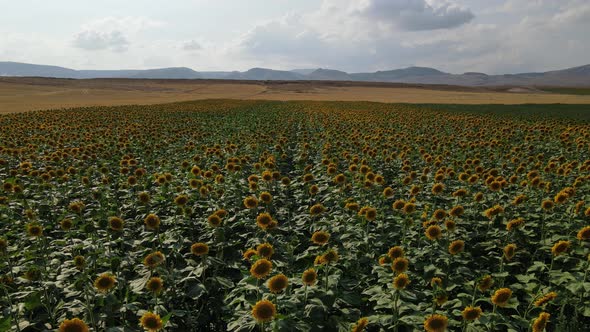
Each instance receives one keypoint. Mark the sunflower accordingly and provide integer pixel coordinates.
(388, 192)
(471, 313)
(116, 223)
(181, 200)
(560, 247)
(214, 220)
(199, 249)
(460, 192)
(353, 206)
(264, 311)
(545, 298)
(154, 285)
(250, 202)
(501, 297)
(263, 220)
(399, 204)
(509, 251)
(560, 198)
(433, 232)
(436, 323)
(267, 176)
(73, 325)
(278, 283)
(66, 224)
(307, 177)
(265, 250)
(485, 283)
(152, 221)
(265, 197)
(104, 282)
(261, 268)
(438, 188)
(360, 325)
(457, 211)
(400, 265)
(370, 214)
(316, 209)
(309, 277)
(384, 260)
(409, 208)
(151, 322)
(401, 281)
(436, 281)
(518, 200)
(439, 214)
(478, 197)
(313, 190)
(331, 256)
(143, 197)
(441, 297)
(248, 254)
(79, 262)
(395, 252)
(495, 186)
(456, 247)
(584, 234)
(450, 225)
(541, 322)
(34, 230)
(3, 245)
(514, 224)
(320, 237)
(154, 259)
(547, 205)
(76, 207)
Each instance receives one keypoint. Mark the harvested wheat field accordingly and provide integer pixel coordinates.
(25, 94)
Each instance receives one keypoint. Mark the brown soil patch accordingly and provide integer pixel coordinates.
(24, 94)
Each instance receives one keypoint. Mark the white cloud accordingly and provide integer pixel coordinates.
(416, 15)
(94, 40)
(111, 33)
(192, 45)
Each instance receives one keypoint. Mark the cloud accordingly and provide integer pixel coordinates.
(192, 45)
(416, 15)
(95, 40)
(112, 33)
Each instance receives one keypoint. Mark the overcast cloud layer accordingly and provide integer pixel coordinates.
(493, 36)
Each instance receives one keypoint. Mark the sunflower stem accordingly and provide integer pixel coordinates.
(474, 293)
(327, 275)
(395, 309)
(14, 314)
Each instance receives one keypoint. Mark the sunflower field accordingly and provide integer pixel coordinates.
(227, 215)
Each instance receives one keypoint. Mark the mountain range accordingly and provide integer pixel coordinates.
(576, 76)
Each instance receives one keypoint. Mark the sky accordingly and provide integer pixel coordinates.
(491, 36)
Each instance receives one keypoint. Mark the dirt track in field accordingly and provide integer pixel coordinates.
(25, 94)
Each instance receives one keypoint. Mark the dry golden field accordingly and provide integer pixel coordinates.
(24, 94)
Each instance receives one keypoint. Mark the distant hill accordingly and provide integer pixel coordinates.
(329, 75)
(25, 69)
(303, 71)
(264, 74)
(571, 77)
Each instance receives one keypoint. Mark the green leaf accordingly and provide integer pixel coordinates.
(166, 318)
(5, 324)
(33, 301)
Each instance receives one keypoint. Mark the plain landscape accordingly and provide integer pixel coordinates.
(18, 94)
(286, 166)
